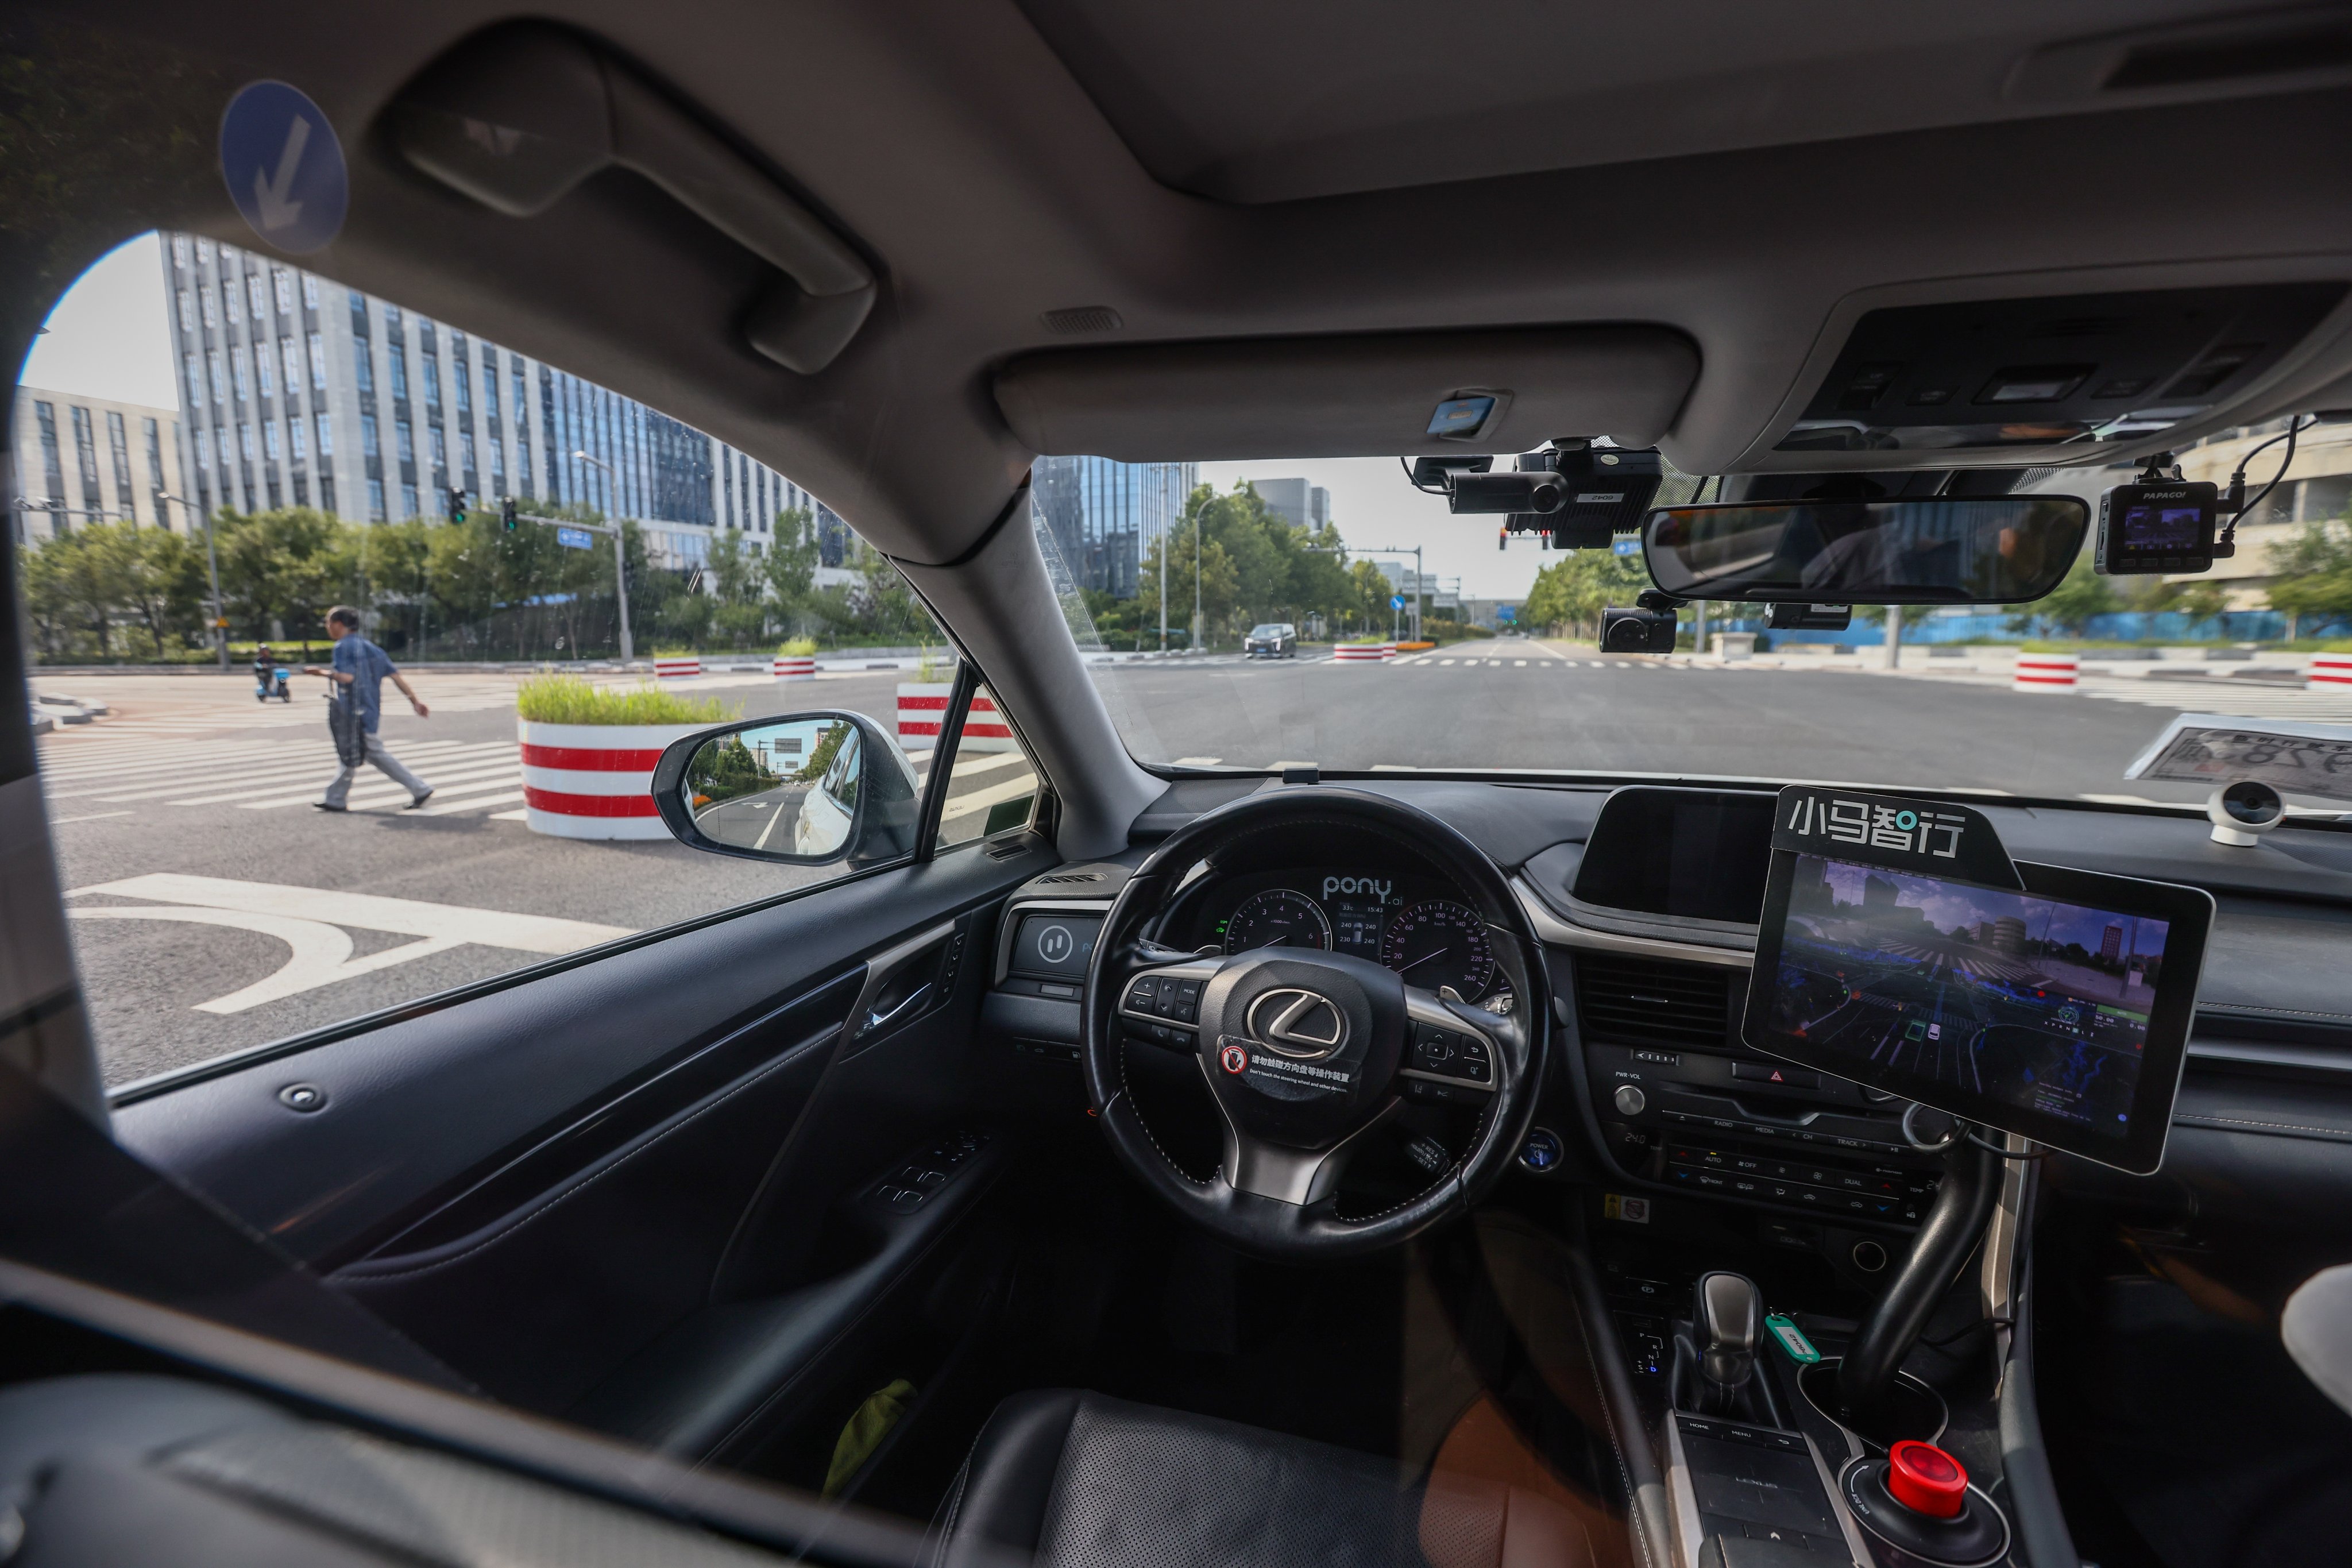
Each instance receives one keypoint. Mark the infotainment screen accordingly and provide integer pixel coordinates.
(2060, 1012)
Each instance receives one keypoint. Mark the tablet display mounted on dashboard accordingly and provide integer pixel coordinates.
(2035, 999)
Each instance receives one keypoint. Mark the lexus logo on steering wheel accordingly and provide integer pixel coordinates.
(1294, 1022)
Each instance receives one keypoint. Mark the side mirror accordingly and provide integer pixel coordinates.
(808, 789)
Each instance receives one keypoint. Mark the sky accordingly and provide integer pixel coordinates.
(110, 337)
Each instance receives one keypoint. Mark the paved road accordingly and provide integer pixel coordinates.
(1516, 703)
(189, 806)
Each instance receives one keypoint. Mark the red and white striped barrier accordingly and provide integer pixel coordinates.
(1363, 652)
(2328, 672)
(594, 781)
(795, 666)
(678, 668)
(2047, 671)
(923, 709)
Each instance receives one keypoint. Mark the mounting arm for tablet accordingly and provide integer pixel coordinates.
(1964, 1203)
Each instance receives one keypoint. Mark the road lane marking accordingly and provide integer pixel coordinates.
(376, 911)
(981, 799)
(1445, 661)
(511, 817)
(973, 763)
(94, 816)
(1516, 663)
(375, 789)
(308, 921)
(279, 777)
(318, 954)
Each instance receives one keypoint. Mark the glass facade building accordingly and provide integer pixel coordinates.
(1106, 516)
(295, 391)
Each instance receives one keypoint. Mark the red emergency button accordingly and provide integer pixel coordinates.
(1924, 1478)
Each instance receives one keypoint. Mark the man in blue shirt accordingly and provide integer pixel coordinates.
(361, 667)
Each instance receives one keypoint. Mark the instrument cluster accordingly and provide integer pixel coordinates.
(1418, 926)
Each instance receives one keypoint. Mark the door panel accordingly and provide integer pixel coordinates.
(541, 1183)
(418, 1110)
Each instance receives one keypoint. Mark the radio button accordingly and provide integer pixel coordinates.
(1629, 1100)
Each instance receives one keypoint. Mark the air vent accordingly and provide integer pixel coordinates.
(1646, 1001)
(1068, 877)
(1082, 319)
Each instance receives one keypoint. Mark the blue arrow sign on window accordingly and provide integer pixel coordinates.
(576, 539)
(284, 167)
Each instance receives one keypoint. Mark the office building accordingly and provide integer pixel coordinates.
(295, 391)
(1310, 506)
(1105, 516)
(90, 459)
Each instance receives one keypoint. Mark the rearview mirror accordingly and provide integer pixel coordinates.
(809, 789)
(1998, 550)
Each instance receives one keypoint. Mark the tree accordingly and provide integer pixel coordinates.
(2313, 574)
(2082, 595)
(790, 566)
(1573, 592)
(1220, 582)
(739, 589)
(285, 567)
(162, 582)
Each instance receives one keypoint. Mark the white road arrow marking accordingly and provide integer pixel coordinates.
(270, 195)
(320, 954)
(308, 921)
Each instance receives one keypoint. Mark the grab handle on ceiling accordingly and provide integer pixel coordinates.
(517, 119)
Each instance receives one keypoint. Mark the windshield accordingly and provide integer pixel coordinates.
(1431, 641)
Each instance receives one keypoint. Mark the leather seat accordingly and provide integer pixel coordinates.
(1080, 1481)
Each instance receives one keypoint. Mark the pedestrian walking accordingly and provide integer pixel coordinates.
(360, 668)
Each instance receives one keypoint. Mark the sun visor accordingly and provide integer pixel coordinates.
(1350, 397)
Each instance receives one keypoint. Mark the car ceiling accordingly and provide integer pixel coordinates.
(1724, 180)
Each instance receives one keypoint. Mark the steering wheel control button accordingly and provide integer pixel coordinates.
(1923, 1478)
(1542, 1151)
(1629, 1100)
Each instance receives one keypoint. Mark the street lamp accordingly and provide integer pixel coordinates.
(212, 571)
(620, 564)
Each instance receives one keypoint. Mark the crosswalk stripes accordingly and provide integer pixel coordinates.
(267, 775)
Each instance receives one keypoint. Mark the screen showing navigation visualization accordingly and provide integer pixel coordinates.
(2023, 1001)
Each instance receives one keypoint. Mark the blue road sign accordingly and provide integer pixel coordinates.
(1627, 547)
(284, 167)
(1396, 601)
(576, 539)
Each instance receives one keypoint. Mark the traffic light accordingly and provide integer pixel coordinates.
(1503, 538)
(456, 504)
(506, 511)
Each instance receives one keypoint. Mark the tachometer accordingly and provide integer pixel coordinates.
(1439, 942)
(1277, 918)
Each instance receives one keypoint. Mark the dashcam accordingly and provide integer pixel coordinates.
(1541, 491)
(1649, 628)
(1601, 491)
(2167, 526)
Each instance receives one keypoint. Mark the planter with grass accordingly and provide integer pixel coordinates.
(588, 753)
(796, 660)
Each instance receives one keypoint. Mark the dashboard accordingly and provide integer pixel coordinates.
(1418, 926)
(1645, 898)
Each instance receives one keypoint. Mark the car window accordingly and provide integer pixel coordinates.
(1430, 640)
(198, 413)
(992, 787)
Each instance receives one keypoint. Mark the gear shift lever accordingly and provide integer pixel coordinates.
(1727, 1322)
(1715, 1371)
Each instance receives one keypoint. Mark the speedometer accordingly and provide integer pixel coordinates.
(1439, 942)
(1277, 918)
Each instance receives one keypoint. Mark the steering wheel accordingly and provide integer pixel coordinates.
(1304, 1051)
